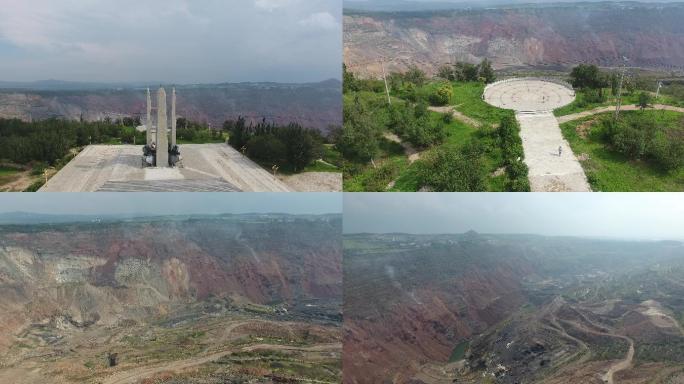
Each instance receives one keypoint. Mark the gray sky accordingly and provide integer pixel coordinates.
(170, 203)
(623, 215)
(175, 41)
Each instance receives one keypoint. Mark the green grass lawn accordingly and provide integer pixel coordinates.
(458, 135)
(9, 174)
(467, 99)
(7, 171)
(611, 171)
(392, 163)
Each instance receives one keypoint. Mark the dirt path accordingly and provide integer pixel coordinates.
(411, 152)
(596, 111)
(314, 181)
(457, 115)
(21, 181)
(137, 374)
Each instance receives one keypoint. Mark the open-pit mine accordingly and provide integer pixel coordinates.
(191, 299)
(477, 308)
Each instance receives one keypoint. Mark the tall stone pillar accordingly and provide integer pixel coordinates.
(173, 118)
(148, 122)
(162, 127)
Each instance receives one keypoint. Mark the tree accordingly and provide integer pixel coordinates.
(487, 72)
(446, 72)
(415, 76)
(349, 83)
(360, 135)
(644, 100)
(587, 76)
(447, 170)
(466, 71)
(301, 146)
(239, 134)
(441, 96)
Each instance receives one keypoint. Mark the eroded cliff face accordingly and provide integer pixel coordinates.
(104, 273)
(411, 305)
(651, 36)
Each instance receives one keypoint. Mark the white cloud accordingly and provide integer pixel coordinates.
(198, 41)
(271, 5)
(321, 20)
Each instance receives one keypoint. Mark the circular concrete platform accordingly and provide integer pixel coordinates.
(529, 94)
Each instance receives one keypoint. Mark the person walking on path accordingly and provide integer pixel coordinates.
(560, 151)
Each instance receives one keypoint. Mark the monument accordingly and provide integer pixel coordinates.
(161, 150)
(162, 158)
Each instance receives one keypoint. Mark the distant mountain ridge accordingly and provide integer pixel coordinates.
(409, 5)
(29, 218)
(313, 105)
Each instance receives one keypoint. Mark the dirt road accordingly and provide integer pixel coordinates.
(621, 365)
(134, 375)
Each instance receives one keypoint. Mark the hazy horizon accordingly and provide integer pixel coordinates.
(156, 204)
(417, 5)
(635, 216)
(175, 41)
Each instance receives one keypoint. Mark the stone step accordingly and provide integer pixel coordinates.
(211, 185)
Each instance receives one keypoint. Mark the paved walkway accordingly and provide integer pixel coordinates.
(534, 100)
(206, 167)
(549, 172)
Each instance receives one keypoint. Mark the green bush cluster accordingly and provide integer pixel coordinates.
(361, 133)
(638, 136)
(291, 147)
(510, 142)
(441, 96)
(413, 124)
(446, 170)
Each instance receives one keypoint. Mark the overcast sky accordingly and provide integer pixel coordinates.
(174, 41)
(171, 203)
(622, 215)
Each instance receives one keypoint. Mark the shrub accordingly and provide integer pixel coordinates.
(668, 151)
(446, 170)
(360, 135)
(442, 96)
(266, 148)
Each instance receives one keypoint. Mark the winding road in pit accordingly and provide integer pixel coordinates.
(533, 101)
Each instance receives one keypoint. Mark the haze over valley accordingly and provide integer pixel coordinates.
(446, 307)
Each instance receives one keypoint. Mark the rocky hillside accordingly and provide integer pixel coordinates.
(410, 300)
(553, 36)
(315, 105)
(108, 272)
